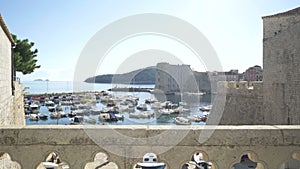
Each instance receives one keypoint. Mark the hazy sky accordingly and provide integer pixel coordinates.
(62, 28)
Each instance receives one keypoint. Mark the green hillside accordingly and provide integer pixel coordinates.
(140, 76)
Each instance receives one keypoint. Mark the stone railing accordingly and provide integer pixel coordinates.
(270, 146)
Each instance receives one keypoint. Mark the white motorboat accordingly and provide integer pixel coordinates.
(43, 116)
(165, 111)
(182, 121)
(54, 115)
(142, 107)
(141, 115)
(181, 109)
(62, 114)
(206, 108)
(51, 108)
(34, 108)
(33, 117)
(49, 103)
(76, 120)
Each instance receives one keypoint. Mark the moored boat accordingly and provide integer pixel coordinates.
(206, 108)
(142, 107)
(76, 120)
(182, 121)
(43, 116)
(54, 115)
(34, 108)
(33, 117)
(141, 115)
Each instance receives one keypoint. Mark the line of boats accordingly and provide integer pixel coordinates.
(79, 107)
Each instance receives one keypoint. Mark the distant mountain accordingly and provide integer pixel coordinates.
(140, 76)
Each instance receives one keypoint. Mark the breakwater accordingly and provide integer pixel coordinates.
(131, 89)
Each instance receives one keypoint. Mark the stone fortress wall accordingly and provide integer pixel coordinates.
(11, 93)
(243, 104)
(281, 52)
(276, 101)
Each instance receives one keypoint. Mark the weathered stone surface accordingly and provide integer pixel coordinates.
(30, 145)
(281, 69)
(11, 106)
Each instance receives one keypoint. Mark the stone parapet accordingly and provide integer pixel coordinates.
(271, 145)
(241, 101)
(240, 88)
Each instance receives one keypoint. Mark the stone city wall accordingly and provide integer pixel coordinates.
(6, 99)
(243, 102)
(281, 68)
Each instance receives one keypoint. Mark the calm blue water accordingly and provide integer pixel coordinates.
(41, 87)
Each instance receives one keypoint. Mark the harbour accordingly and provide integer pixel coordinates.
(133, 105)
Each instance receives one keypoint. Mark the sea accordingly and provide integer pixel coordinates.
(48, 87)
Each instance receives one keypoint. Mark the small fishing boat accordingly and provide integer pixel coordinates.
(203, 118)
(33, 117)
(165, 111)
(54, 115)
(141, 115)
(109, 117)
(142, 107)
(81, 112)
(49, 103)
(51, 108)
(150, 162)
(182, 121)
(72, 114)
(76, 120)
(59, 108)
(181, 109)
(62, 114)
(43, 116)
(206, 108)
(150, 100)
(34, 108)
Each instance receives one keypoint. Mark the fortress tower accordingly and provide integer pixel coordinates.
(277, 99)
(281, 62)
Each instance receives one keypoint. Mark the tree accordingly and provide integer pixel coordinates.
(24, 56)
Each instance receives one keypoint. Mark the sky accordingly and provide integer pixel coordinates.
(62, 29)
